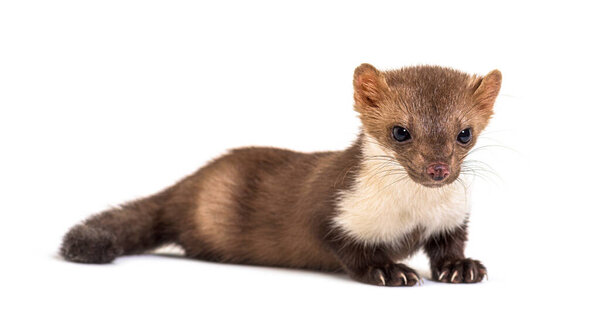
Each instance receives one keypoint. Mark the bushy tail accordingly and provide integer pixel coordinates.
(132, 228)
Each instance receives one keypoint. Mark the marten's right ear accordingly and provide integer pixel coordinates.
(369, 87)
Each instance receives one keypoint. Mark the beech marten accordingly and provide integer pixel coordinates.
(362, 210)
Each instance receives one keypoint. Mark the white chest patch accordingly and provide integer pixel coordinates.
(383, 208)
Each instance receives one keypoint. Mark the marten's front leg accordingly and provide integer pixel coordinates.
(446, 253)
(372, 264)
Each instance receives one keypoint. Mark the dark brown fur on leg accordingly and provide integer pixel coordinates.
(371, 264)
(447, 258)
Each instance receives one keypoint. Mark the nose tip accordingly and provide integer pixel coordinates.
(438, 171)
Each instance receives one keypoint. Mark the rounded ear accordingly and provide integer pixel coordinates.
(487, 89)
(369, 86)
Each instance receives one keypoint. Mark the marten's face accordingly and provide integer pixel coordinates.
(424, 118)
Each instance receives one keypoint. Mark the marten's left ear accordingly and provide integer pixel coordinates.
(370, 87)
(487, 89)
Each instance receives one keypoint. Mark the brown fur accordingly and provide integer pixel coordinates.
(274, 207)
(433, 103)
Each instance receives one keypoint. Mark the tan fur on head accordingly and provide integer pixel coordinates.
(434, 104)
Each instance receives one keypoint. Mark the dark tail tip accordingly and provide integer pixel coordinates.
(86, 244)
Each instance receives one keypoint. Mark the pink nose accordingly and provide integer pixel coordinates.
(438, 171)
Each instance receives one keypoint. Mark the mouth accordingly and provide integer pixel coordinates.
(434, 185)
(426, 181)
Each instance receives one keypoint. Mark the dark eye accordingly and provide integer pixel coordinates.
(401, 134)
(464, 136)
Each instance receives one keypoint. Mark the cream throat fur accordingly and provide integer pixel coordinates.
(383, 208)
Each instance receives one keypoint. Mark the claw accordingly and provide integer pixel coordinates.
(483, 272)
(382, 279)
(415, 277)
(472, 278)
(455, 274)
(404, 278)
(442, 276)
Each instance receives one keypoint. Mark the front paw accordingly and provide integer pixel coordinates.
(459, 271)
(390, 275)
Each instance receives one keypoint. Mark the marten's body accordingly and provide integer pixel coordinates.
(360, 210)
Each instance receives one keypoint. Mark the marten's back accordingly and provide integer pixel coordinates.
(261, 206)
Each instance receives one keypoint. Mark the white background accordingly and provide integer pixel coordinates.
(105, 101)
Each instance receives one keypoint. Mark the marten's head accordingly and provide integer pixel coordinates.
(426, 118)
